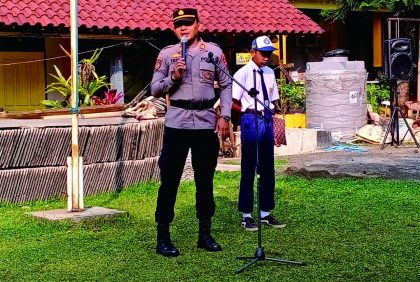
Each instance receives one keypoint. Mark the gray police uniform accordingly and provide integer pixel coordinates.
(190, 123)
(196, 85)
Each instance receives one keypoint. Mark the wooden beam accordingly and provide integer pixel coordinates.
(38, 114)
(67, 35)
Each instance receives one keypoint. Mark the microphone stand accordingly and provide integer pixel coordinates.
(259, 253)
(251, 92)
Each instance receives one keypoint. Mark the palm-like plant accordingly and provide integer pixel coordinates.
(89, 83)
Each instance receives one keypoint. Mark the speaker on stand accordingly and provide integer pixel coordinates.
(398, 65)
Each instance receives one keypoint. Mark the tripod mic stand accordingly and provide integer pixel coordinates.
(259, 253)
(393, 125)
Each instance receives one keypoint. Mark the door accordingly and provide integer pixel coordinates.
(22, 85)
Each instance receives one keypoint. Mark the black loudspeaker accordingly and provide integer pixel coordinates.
(398, 62)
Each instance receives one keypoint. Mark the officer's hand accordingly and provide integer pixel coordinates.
(179, 67)
(222, 127)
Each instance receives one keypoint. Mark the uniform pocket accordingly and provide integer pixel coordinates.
(206, 72)
(248, 122)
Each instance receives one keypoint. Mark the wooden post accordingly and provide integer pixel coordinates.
(284, 45)
(418, 66)
(377, 41)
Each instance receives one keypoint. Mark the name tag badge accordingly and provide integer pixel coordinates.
(175, 57)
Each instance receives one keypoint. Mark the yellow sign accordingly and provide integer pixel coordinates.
(242, 58)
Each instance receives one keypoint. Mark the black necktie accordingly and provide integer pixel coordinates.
(267, 112)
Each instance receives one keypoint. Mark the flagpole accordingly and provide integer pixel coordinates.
(75, 163)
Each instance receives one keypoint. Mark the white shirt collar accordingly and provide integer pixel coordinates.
(254, 66)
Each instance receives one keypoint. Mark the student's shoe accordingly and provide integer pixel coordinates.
(249, 224)
(272, 221)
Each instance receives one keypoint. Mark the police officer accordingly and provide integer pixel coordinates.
(190, 123)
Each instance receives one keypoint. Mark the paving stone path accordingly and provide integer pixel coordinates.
(391, 163)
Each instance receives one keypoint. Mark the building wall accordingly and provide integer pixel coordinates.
(138, 58)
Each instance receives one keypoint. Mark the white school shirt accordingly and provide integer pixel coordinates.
(245, 76)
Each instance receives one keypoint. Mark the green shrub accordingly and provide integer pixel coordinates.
(376, 93)
(291, 95)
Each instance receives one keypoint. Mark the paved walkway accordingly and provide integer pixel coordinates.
(391, 163)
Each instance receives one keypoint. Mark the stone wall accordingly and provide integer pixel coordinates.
(33, 160)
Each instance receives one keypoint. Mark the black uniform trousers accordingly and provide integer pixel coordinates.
(204, 145)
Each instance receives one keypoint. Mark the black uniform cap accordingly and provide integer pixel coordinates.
(186, 15)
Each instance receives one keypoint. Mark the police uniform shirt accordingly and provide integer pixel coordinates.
(245, 76)
(196, 84)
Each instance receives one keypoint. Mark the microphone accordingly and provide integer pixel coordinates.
(210, 58)
(184, 48)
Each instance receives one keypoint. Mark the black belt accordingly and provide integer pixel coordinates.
(254, 112)
(193, 105)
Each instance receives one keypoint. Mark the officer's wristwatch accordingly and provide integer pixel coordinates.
(226, 118)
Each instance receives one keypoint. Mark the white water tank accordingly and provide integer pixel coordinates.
(336, 95)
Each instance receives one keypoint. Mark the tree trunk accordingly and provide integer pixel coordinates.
(418, 65)
(403, 90)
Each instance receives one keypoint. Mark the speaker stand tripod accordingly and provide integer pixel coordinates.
(393, 125)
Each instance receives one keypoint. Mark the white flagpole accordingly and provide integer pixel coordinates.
(75, 163)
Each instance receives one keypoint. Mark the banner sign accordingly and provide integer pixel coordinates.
(242, 58)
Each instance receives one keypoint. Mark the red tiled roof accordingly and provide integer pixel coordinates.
(269, 16)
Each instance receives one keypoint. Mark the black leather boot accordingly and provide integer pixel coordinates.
(164, 245)
(205, 240)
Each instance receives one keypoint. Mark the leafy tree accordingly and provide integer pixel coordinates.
(405, 8)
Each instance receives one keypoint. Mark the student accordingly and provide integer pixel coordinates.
(257, 75)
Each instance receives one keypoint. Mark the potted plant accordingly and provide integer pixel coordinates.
(292, 103)
(89, 83)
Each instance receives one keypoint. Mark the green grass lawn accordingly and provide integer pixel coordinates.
(345, 230)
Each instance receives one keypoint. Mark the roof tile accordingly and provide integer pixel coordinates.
(275, 16)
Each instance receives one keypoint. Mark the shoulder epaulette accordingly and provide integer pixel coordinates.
(169, 46)
(212, 43)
